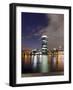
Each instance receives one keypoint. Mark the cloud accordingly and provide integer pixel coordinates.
(54, 30)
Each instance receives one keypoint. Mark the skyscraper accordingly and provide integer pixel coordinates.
(44, 47)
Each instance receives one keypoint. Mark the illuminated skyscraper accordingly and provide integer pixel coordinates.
(44, 63)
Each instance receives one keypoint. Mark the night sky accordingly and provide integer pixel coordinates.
(34, 25)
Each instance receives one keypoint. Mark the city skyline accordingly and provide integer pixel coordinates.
(34, 25)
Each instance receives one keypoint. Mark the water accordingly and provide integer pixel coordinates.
(44, 64)
(40, 63)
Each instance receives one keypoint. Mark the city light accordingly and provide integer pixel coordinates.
(43, 60)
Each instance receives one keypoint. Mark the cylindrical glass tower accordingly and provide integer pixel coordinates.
(44, 63)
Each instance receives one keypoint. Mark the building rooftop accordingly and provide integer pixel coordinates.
(44, 36)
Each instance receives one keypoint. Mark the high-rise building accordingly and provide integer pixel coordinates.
(43, 60)
(44, 47)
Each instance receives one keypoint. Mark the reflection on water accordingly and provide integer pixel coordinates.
(42, 60)
(44, 64)
(39, 63)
